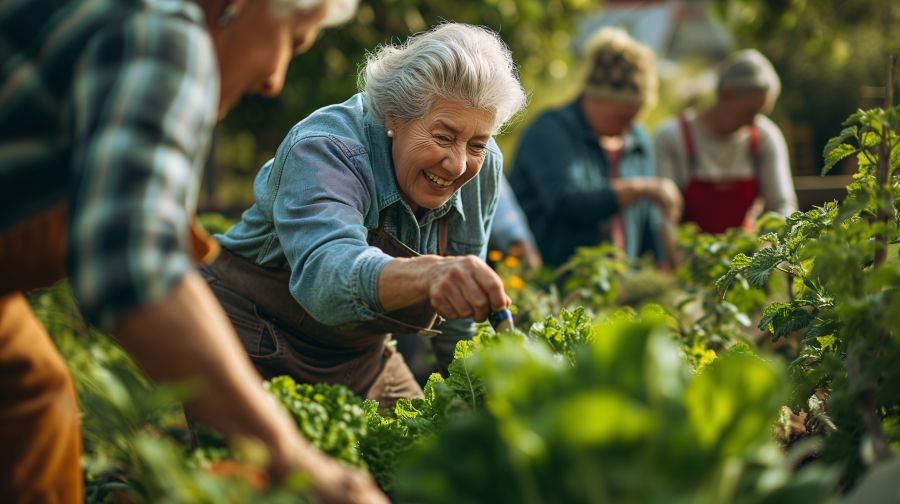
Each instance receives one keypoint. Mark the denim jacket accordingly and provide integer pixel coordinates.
(332, 180)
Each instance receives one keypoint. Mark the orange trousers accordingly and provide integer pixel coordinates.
(40, 440)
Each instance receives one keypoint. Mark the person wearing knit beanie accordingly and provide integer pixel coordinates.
(730, 161)
(749, 69)
(584, 173)
(620, 69)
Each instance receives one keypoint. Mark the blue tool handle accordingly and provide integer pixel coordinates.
(501, 320)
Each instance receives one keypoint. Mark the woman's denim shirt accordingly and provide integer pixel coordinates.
(330, 181)
(561, 178)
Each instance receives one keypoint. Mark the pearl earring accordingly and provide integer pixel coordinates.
(390, 133)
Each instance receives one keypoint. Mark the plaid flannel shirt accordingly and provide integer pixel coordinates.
(108, 105)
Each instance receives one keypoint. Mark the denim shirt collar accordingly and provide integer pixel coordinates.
(386, 181)
(632, 140)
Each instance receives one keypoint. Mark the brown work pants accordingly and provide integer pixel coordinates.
(40, 442)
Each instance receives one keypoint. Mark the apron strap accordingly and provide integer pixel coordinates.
(753, 147)
(442, 235)
(690, 148)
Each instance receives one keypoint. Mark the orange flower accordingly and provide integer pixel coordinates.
(516, 282)
(512, 262)
(495, 256)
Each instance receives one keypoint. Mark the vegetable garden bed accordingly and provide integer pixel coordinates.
(765, 370)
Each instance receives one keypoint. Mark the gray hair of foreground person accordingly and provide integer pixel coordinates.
(452, 61)
(749, 70)
(338, 11)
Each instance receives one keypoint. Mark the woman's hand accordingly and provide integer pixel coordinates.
(334, 483)
(661, 191)
(457, 286)
(465, 286)
(668, 197)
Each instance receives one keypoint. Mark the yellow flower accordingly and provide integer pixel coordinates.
(516, 282)
(495, 256)
(511, 262)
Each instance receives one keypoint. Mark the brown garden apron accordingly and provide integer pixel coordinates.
(40, 441)
(283, 339)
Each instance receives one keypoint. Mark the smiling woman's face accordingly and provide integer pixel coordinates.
(438, 153)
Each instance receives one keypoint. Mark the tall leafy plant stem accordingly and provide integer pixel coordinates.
(865, 398)
(885, 208)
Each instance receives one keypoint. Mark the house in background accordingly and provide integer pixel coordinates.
(675, 29)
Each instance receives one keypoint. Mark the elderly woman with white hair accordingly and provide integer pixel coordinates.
(373, 218)
(729, 159)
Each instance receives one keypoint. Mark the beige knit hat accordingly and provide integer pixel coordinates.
(620, 68)
(749, 69)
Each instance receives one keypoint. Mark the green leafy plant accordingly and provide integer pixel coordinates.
(846, 296)
(135, 439)
(591, 276)
(331, 417)
(626, 421)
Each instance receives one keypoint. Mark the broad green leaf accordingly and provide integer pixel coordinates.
(732, 403)
(853, 205)
(845, 134)
(761, 265)
(613, 419)
(836, 148)
(835, 155)
(783, 318)
(738, 265)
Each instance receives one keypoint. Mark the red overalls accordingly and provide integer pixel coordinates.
(719, 203)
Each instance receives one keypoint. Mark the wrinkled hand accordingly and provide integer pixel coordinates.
(667, 195)
(465, 286)
(334, 483)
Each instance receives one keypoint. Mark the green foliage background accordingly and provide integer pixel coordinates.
(537, 31)
(831, 55)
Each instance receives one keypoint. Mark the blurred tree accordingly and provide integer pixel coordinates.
(830, 54)
(537, 31)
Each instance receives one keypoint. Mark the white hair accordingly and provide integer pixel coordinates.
(338, 11)
(452, 61)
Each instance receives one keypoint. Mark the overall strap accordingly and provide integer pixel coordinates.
(754, 148)
(690, 148)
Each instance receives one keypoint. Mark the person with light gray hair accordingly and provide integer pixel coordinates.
(373, 218)
(730, 160)
(107, 109)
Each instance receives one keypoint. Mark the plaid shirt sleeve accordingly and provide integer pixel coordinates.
(144, 101)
